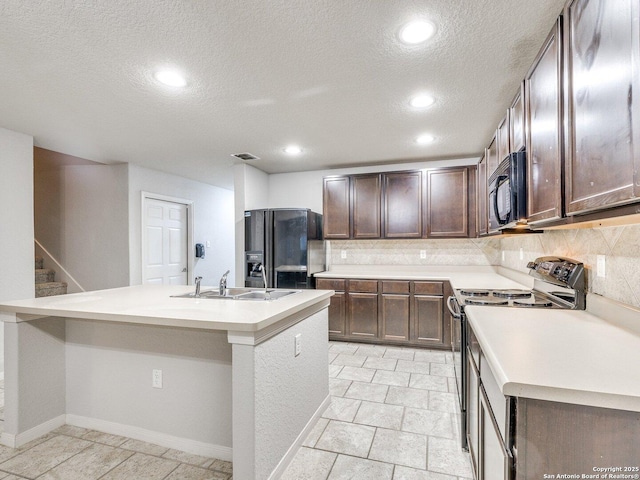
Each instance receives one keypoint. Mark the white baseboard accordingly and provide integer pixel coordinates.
(293, 449)
(15, 441)
(170, 441)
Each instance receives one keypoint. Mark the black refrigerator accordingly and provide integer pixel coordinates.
(288, 242)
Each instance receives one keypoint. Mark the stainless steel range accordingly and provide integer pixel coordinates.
(558, 283)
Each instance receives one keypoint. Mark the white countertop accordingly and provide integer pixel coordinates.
(560, 355)
(459, 276)
(153, 305)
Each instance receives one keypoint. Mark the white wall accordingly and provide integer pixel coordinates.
(114, 363)
(16, 233)
(213, 221)
(251, 192)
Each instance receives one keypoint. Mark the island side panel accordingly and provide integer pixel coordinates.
(34, 378)
(287, 391)
(109, 384)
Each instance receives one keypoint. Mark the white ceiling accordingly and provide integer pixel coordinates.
(329, 75)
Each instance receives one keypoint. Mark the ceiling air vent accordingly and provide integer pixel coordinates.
(245, 156)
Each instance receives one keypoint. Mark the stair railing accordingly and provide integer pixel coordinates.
(68, 278)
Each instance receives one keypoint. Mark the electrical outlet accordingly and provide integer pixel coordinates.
(208, 244)
(601, 266)
(156, 378)
(343, 254)
(423, 254)
(521, 254)
(503, 255)
(298, 344)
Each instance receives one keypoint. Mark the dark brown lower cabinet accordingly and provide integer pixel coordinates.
(394, 315)
(338, 315)
(337, 307)
(400, 312)
(427, 325)
(362, 315)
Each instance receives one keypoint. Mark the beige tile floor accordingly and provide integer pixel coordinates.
(73, 453)
(392, 417)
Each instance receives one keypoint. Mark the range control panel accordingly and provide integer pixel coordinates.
(559, 271)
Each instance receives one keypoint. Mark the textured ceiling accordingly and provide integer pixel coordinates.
(329, 75)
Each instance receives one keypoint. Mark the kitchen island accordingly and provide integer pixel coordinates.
(214, 377)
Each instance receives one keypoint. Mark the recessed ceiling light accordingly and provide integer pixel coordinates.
(425, 139)
(417, 32)
(170, 78)
(422, 101)
(293, 150)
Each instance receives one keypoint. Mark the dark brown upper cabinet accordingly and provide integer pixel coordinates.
(447, 205)
(336, 208)
(402, 194)
(602, 44)
(366, 199)
(516, 122)
(482, 196)
(492, 156)
(543, 87)
(502, 139)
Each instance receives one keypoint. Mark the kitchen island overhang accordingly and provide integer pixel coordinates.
(234, 386)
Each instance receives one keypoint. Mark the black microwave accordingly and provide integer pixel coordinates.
(508, 192)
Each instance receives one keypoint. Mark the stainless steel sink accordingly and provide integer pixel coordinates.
(241, 293)
(268, 295)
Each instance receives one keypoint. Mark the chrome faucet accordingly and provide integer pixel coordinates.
(264, 277)
(223, 284)
(197, 294)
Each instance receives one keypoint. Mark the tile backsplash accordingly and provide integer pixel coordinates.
(620, 247)
(408, 252)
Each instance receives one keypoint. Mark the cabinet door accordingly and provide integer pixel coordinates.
(602, 78)
(366, 197)
(516, 122)
(502, 138)
(447, 203)
(543, 86)
(338, 316)
(335, 207)
(427, 325)
(362, 315)
(337, 307)
(492, 156)
(495, 462)
(473, 385)
(394, 317)
(403, 205)
(483, 196)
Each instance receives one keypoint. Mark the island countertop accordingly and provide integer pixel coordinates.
(154, 305)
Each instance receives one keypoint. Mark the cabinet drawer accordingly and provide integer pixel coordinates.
(331, 284)
(363, 286)
(428, 288)
(389, 286)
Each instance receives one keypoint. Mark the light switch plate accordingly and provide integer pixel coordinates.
(343, 254)
(423, 254)
(503, 255)
(521, 254)
(298, 344)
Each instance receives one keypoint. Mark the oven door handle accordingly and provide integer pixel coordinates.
(455, 312)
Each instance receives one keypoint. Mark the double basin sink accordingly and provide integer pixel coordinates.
(242, 294)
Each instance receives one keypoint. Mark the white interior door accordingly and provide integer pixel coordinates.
(165, 251)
